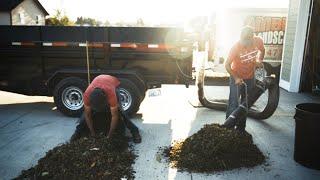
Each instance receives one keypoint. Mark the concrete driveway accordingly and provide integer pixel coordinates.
(30, 126)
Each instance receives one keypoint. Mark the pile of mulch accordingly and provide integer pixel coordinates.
(213, 149)
(86, 158)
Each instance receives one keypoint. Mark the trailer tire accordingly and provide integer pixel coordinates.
(68, 96)
(140, 81)
(131, 96)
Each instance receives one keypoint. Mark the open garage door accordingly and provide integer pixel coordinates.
(310, 81)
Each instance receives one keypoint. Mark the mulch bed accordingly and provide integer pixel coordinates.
(86, 158)
(213, 149)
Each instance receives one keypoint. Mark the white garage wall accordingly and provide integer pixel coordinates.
(294, 44)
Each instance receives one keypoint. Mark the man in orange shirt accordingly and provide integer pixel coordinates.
(103, 111)
(244, 57)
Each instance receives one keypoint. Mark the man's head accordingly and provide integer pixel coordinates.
(98, 100)
(246, 37)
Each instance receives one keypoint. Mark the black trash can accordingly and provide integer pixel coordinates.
(307, 135)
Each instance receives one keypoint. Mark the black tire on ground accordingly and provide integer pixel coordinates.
(131, 96)
(68, 96)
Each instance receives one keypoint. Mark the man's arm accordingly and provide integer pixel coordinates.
(88, 118)
(114, 120)
(233, 74)
(261, 54)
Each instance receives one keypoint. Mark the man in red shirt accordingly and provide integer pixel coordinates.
(103, 111)
(244, 57)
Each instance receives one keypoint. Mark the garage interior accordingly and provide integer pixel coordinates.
(310, 81)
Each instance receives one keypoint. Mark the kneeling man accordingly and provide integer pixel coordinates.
(103, 111)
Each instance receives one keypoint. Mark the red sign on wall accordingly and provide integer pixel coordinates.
(271, 30)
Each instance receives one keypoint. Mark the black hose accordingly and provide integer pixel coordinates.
(269, 83)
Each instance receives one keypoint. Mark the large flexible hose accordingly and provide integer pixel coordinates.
(203, 100)
(268, 84)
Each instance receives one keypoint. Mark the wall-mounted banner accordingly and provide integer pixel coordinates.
(271, 30)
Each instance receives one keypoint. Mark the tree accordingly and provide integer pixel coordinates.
(85, 21)
(59, 19)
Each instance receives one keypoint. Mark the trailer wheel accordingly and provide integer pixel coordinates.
(68, 96)
(130, 96)
(142, 94)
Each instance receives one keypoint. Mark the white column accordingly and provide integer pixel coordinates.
(299, 45)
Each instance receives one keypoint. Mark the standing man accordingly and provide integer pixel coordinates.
(244, 57)
(103, 111)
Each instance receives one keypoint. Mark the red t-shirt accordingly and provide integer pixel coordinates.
(244, 58)
(108, 84)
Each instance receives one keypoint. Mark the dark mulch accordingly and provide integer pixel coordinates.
(86, 158)
(214, 148)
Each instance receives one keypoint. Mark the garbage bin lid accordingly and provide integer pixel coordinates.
(309, 108)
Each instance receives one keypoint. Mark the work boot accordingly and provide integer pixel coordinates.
(230, 122)
(136, 137)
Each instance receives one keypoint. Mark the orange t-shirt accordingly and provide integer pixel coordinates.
(244, 58)
(108, 84)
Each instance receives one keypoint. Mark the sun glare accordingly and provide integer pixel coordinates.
(164, 11)
(177, 13)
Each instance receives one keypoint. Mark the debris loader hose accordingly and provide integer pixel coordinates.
(203, 100)
(269, 84)
(242, 111)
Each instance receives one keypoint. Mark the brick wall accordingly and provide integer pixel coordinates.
(289, 39)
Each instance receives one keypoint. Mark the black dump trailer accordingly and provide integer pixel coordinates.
(61, 61)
